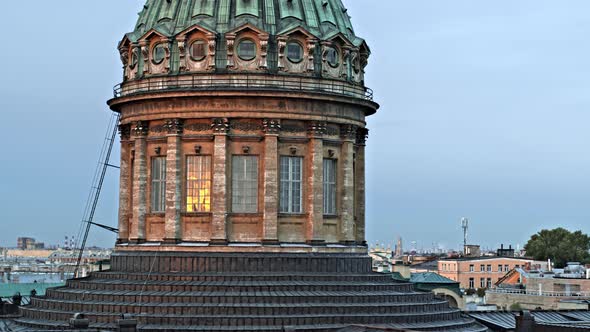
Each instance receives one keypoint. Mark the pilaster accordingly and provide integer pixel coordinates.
(137, 232)
(172, 225)
(124, 184)
(272, 129)
(315, 192)
(348, 133)
(219, 234)
(360, 198)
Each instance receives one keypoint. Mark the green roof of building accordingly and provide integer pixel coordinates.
(8, 290)
(430, 278)
(322, 18)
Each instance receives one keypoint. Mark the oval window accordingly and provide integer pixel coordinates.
(134, 60)
(247, 50)
(198, 50)
(294, 52)
(332, 57)
(158, 54)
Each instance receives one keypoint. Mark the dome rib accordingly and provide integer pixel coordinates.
(320, 17)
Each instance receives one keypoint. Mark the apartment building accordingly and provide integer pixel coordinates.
(482, 272)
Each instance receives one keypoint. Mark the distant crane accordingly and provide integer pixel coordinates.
(465, 226)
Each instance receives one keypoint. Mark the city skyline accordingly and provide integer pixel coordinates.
(482, 116)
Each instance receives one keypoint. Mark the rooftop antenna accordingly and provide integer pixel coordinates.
(465, 226)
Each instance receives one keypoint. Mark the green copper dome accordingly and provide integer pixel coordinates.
(322, 18)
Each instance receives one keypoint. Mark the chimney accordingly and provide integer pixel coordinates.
(525, 322)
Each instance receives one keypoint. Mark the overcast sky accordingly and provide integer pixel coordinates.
(484, 114)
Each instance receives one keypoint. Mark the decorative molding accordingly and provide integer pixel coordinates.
(331, 131)
(349, 132)
(220, 125)
(317, 128)
(197, 127)
(182, 52)
(124, 54)
(157, 129)
(282, 44)
(311, 45)
(263, 52)
(271, 126)
(140, 128)
(230, 40)
(125, 131)
(292, 128)
(245, 126)
(174, 126)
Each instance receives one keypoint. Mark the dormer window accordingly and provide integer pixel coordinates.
(158, 54)
(198, 50)
(247, 49)
(294, 52)
(332, 57)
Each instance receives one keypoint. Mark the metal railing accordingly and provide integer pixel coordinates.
(538, 293)
(242, 82)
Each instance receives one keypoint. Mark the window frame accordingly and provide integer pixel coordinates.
(294, 185)
(302, 57)
(331, 187)
(205, 49)
(159, 183)
(187, 187)
(242, 207)
(157, 46)
(240, 42)
(336, 62)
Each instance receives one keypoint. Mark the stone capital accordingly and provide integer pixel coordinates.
(361, 136)
(140, 128)
(317, 128)
(271, 126)
(125, 132)
(174, 126)
(220, 125)
(349, 132)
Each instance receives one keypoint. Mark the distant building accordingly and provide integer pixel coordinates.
(505, 252)
(29, 243)
(471, 250)
(482, 272)
(544, 289)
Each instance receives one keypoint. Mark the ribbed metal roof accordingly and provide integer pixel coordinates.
(430, 277)
(323, 18)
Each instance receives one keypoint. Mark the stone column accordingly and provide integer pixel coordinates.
(219, 193)
(173, 221)
(124, 181)
(361, 139)
(137, 231)
(270, 227)
(315, 191)
(348, 139)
